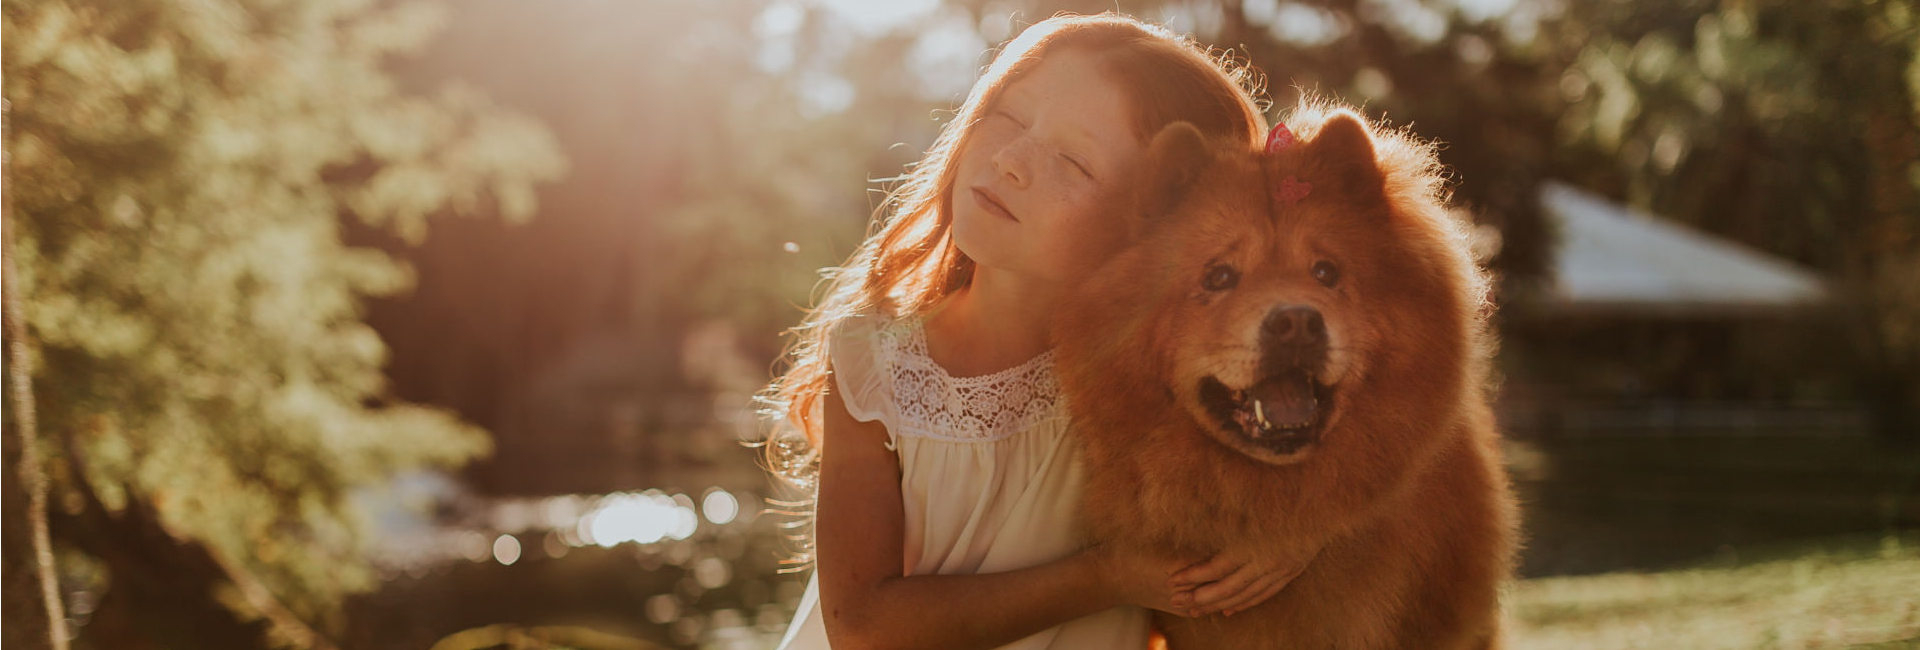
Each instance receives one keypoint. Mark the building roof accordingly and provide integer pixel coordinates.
(1615, 259)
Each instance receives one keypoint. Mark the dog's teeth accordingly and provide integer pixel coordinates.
(1261, 414)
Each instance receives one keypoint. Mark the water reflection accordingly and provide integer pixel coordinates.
(506, 549)
(642, 519)
(679, 568)
(719, 506)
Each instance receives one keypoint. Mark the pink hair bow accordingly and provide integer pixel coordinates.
(1291, 189)
(1279, 139)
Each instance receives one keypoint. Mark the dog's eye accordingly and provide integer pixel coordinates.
(1220, 277)
(1326, 273)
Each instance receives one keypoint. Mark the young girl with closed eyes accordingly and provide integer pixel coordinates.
(920, 405)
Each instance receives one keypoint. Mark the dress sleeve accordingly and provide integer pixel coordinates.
(860, 370)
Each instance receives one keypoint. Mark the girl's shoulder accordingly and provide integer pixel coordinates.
(885, 364)
(865, 351)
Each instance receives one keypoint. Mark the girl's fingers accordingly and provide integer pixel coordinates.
(1258, 593)
(1210, 596)
(1275, 582)
(1237, 600)
(1203, 572)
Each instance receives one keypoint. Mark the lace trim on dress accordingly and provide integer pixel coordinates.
(934, 404)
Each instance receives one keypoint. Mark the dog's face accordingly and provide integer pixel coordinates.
(1270, 267)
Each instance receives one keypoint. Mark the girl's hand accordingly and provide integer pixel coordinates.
(1229, 583)
(1143, 579)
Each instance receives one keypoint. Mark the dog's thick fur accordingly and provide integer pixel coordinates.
(1396, 489)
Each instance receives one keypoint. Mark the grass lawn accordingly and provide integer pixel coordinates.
(1833, 593)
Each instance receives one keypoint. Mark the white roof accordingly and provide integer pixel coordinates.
(1613, 258)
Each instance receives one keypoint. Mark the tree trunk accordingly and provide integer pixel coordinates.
(34, 615)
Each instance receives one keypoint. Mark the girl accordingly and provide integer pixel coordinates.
(921, 405)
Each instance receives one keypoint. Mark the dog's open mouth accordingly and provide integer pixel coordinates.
(1282, 413)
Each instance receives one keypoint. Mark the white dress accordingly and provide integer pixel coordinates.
(988, 477)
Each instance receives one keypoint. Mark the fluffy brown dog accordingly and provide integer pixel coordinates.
(1287, 357)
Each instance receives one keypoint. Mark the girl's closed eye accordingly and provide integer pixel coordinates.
(1077, 165)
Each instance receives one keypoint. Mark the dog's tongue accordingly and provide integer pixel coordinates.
(1286, 400)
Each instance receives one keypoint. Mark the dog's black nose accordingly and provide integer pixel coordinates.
(1293, 326)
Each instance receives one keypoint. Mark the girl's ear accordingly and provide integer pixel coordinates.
(1343, 148)
(1177, 156)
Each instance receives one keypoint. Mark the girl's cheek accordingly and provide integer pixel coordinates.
(1086, 199)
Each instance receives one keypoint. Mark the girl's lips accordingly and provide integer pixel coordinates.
(991, 203)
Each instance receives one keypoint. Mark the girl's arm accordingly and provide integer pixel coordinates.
(866, 600)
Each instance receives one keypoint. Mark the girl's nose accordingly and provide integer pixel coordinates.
(1011, 161)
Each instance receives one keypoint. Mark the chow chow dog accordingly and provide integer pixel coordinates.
(1286, 356)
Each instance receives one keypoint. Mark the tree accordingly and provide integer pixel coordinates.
(202, 376)
(32, 607)
(1793, 127)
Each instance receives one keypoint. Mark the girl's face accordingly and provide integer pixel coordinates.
(1042, 162)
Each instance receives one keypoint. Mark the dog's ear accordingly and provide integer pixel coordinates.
(1345, 151)
(1177, 156)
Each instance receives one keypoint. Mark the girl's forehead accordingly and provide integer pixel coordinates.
(1081, 100)
(1065, 72)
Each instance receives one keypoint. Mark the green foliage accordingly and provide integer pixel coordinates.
(178, 172)
(1791, 126)
(1746, 119)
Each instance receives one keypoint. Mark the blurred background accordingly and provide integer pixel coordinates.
(378, 324)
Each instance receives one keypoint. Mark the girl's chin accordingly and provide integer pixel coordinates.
(982, 254)
(968, 238)
(973, 216)
(1003, 249)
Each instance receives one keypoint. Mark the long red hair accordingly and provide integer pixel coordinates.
(908, 262)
